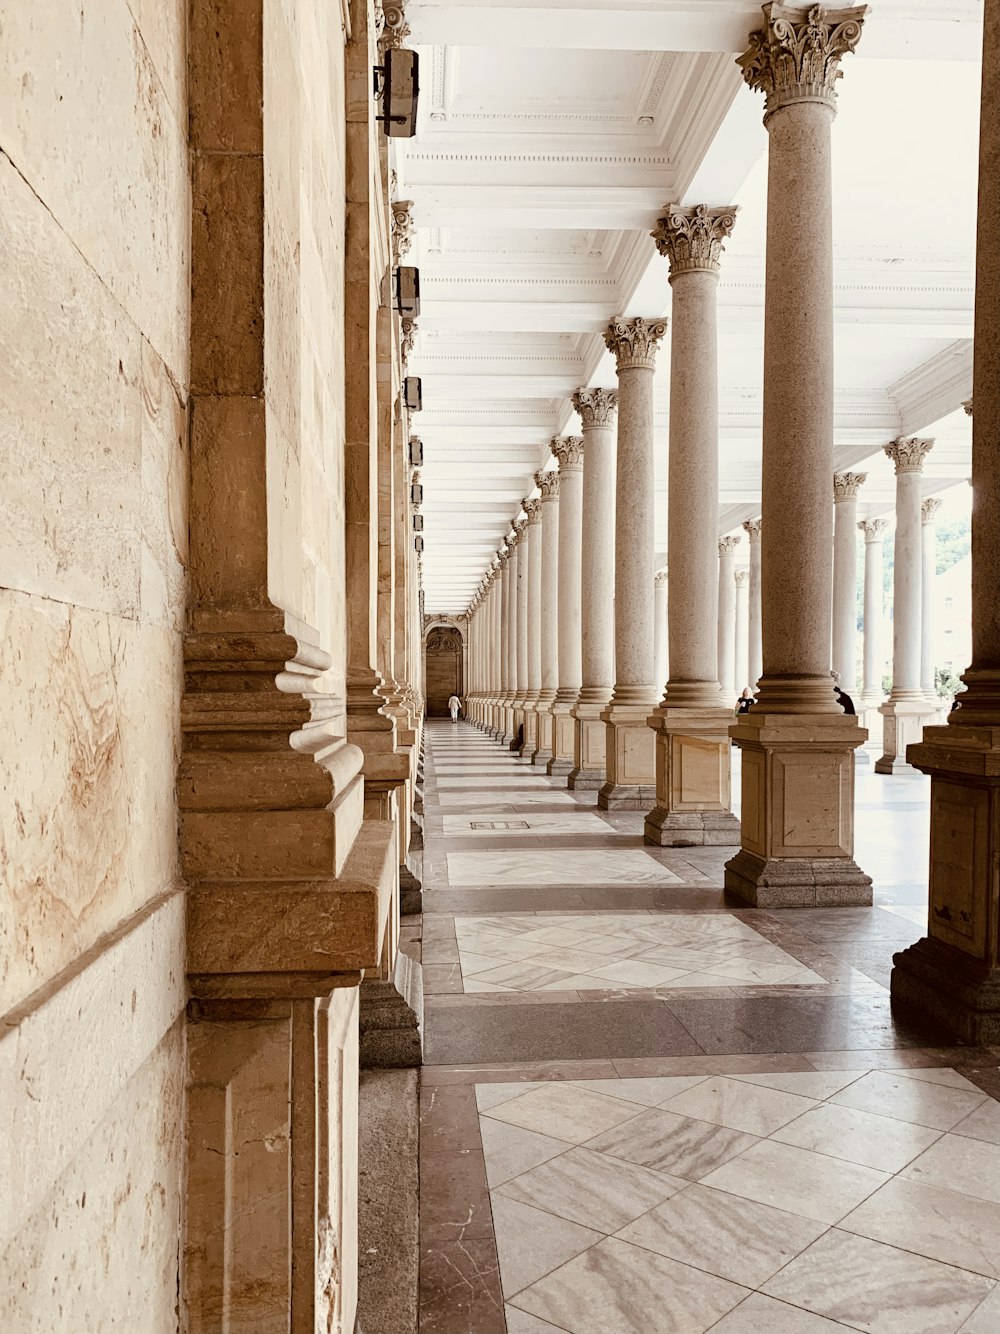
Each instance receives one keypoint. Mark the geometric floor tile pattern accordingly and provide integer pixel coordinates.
(608, 951)
(746, 1204)
(598, 866)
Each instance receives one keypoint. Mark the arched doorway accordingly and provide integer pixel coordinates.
(443, 652)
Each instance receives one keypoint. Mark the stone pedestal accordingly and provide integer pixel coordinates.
(589, 747)
(692, 779)
(903, 722)
(798, 812)
(630, 759)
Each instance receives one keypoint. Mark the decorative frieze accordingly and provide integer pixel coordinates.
(727, 545)
(597, 407)
(548, 484)
(929, 509)
(873, 529)
(796, 56)
(691, 239)
(634, 342)
(846, 484)
(568, 449)
(908, 453)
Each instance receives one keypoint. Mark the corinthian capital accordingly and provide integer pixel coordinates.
(533, 509)
(402, 228)
(846, 484)
(873, 529)
(908, 453)
(394, 29)
(597, 407)
(408, 334)
(568, 449)
(660, 579)
(692, 238)
(548, 484)
(727, 545)
(929, 509)
(796, 56)
(752, 529)
(967, 405)
(634, 342)
(742, 578)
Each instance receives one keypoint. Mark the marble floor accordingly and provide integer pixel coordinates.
(647, 1110)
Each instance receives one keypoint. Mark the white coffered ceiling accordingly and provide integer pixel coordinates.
(549, 138)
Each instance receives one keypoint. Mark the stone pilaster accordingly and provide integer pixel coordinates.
(755, 659)
(906, 711)
(630, 760)
(928, 551)
(951, 977)
(727, 619)
(597, 409)
(548, 485)
(569, 450)
(797, 830)
(845, 578)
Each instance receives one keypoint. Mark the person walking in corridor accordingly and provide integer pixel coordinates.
(454, 707)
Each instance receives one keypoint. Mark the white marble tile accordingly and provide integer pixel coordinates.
(648, 1092)
(575, 823)
(765, 1315)
(615, 1288)
(602, 866)
(727, 1102)
(805, 1183)
(671, 1143)
(936, 1074)
(531, 1243)
(569, 959)
(983, 1123)
(957, 1163)
(874, 1287)
(509, 1150)
(472, 985)
(528, 976)
(858, 1137)
(889, 1094)
(520, 1322)
(751, 972)
(985, 1319)
(941, 1224)
(565, 1112)
(736, 1239)
(632, 973)
(807, 1083)
(492, 1095)
(592, 1189)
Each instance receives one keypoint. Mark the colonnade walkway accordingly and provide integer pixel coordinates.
(646, 1112)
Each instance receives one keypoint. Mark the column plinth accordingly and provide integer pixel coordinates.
(630, 751)
(797, 824)
(905, 713)
(952, 976)
(548, 484)
(597, 409)
(569, 450)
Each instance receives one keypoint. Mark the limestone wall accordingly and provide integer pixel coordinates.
(94, 264)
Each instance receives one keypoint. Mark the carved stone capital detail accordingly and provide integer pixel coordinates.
(873, 529)
(727, 545)
(660, 578)
(742, 578)
(548, 484)
(752, 529)
(796, 56)
(967, 405)
(908, 454)
(403, 228)
(929, 509)
(395, 29)
(568, 449)
(692, 238)
(597, 407)
(407, 336)
(846, 484)
(533, 509)
(634, 342)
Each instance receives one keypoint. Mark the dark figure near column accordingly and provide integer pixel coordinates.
(518, 741)
(745, 701)
(841, 696)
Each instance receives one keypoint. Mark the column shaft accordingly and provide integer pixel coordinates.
(660, 632)
(928, 575)
(871, 692)
(845, 578)
(533, 626)
(755, 664)
(569, 451)
(548, 483)
(727, 617)
(741, 677)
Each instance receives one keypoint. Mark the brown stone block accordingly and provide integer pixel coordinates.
(248, 781)
(227, 275)
(256, 844)
(225, 74)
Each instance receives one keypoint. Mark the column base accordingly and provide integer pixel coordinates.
(943, 987)
(562, 740)
(543, 751)
(411, 898)
(903, 723)
(530, 732)
(589, 771)
(392, 1016)
(693, 788)
(630, 757)
(797, 830)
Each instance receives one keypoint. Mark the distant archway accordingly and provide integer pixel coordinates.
(444, 662)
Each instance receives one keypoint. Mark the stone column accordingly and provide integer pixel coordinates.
(951, 978)
(568, 449)
(510, 638)
(692, 240)
(597, 409)
(660, 631)
(741, 678)
(727, 617)
(845, 578)
(873, 652)
(630, 760)
(797, 832)
(755, 661)
(548, 484)
(498, 663)
(521, 624)
(533, 628)
(905, 711)
(928, 645)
